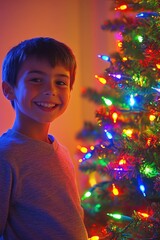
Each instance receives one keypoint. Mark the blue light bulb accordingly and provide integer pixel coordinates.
(104, 57)
(131, 101)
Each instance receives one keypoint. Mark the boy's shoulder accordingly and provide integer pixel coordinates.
(15, 147)
(5, 138)
(12, 143)
(15, 143)
(7, 142)
(8, 138)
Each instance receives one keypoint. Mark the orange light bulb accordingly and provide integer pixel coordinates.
(122, 7)
(149, 141)
(114, 116)
(158, 65)
(119, 44)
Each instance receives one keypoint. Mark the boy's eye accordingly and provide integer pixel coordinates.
(36, 80)
(61, 83)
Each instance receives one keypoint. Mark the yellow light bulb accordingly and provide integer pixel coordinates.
(145, 215)
(102, 146)
(92, 147)
(84, 150)
(124, 59)
(92, 179)
(115, 190)
(152, 117)
(94, 238)
(128, 132)
(101, 79)
(122, 161)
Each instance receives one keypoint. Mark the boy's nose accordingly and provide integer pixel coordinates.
(49, 92)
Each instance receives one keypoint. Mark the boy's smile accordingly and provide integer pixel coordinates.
(42, 92)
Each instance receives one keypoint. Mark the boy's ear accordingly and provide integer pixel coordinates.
(8, 90)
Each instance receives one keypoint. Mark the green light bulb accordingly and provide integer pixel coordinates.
(107, 101)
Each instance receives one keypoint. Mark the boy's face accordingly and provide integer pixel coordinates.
(42, 92)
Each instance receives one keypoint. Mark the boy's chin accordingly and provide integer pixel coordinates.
(47, 120)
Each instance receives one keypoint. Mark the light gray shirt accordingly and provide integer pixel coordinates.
(38, 194)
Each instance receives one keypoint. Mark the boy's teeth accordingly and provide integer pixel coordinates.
(49, 105)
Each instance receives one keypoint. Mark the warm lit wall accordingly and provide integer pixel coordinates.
(26, 19)
(75, 22)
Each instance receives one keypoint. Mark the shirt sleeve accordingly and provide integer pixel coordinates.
(5, 192)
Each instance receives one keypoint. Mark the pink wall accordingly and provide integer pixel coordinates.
(75, 22)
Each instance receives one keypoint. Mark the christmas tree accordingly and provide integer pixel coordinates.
(120, 151)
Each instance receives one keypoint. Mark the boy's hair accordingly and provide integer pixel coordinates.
(53, 51)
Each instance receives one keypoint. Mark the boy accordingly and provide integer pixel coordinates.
(38, 194)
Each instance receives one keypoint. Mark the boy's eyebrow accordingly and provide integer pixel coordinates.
(36, 71)
(41, 72)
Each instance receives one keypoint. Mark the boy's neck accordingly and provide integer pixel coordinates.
(38, 132)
